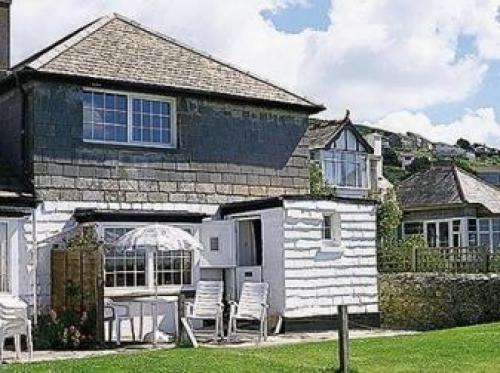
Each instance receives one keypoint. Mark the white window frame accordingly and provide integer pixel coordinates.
(150, 265)
(463, 229)
(130, 97)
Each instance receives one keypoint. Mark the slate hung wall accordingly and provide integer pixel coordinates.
(226, 152)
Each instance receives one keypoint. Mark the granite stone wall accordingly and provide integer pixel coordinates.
(425, 301)
(225, 152)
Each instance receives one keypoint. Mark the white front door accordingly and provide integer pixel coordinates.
(249, 253)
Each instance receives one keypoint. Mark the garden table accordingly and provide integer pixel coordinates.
(153, 304)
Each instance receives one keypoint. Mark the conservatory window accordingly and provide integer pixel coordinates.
(413, 228)
(484, 232)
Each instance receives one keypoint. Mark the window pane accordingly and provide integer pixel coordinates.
(484, 225)
(327, 227)
(174, 268)
(105, 117)
(431, 234)
(444, 234)
(351, 141)
(123, 269)
(413, 228)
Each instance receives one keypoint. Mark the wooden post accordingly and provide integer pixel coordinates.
(343, 338)
(414, 259)
(181, 301)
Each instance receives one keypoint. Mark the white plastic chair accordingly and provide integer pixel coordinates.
(14, 323)
(116, 313)
(252, 307)
(207, 306)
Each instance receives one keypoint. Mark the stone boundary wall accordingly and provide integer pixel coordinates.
(425, 301)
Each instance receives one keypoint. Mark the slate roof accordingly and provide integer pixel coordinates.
(447, 185)
(118, 49)
(323, 132)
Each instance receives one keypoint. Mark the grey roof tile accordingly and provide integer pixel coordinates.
(116, 48)
(447, 185)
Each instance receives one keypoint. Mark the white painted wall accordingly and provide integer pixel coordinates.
(317, 277)
(54, 217)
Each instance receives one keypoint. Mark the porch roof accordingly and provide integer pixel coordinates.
(149, 216)
(273, 202)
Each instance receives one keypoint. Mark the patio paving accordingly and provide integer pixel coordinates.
(273, 340)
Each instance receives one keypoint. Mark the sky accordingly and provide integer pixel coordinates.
(427, 66)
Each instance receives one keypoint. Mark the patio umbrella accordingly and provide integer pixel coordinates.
(155, 238)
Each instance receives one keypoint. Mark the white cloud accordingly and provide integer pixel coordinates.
(479, 126)
(376, 57)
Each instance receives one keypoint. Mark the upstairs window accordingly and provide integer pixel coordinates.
(119, 118)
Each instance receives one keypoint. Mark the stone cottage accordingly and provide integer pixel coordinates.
(119, 125)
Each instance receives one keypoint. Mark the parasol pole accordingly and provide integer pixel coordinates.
(155, 323)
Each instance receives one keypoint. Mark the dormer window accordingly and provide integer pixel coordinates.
(128, 119)
(345, 164)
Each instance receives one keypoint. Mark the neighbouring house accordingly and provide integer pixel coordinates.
(450, 208)
(490, 174)
(420, 142)
(407, 159)
(121, 126)
(447, 151)
(350, 163)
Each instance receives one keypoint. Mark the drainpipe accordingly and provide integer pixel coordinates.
(35, 267)
(27, 179)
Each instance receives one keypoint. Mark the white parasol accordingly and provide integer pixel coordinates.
(155, 238)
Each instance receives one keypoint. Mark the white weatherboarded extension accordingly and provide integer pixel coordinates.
(318, 276)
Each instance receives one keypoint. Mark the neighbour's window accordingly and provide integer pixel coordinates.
(4, 259)
(495, 235)
(331, 228)
(346, 169)
(131, 268)
(444, 234)
(413, 228)
(484, 232)
(472, 232)
(346, 163)
(128, 119)
(456, 227)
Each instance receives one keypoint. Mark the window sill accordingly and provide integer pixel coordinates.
(130, 144)
(142, 291)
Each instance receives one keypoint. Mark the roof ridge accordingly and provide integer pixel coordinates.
(461, 192)
(46, 55)
(477, 178)
(215, 59)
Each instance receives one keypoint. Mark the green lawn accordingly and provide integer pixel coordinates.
(471, 349)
